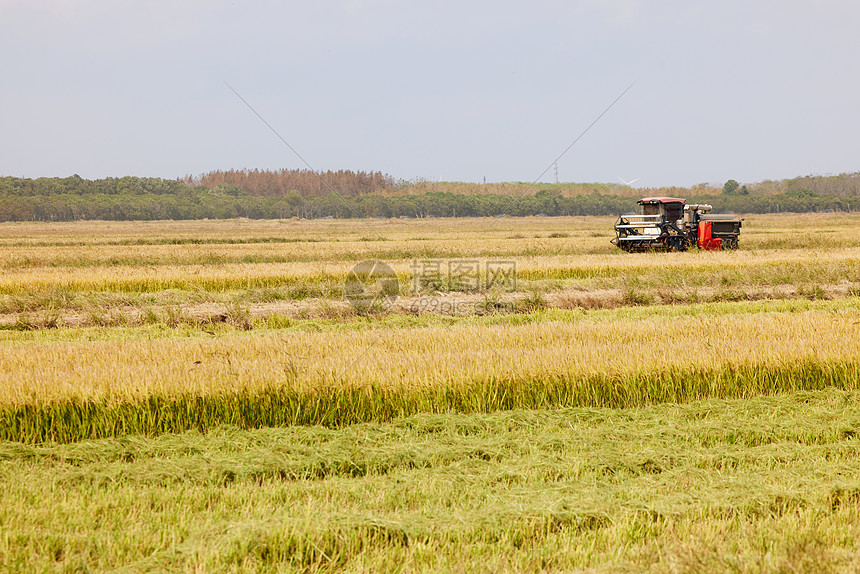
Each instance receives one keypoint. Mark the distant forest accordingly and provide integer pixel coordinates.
(306, 194)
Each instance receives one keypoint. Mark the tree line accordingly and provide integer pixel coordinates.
(277, 183)
(842, 185)
(76, 185)
(133, 198)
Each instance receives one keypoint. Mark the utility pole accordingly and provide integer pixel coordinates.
(555, 170)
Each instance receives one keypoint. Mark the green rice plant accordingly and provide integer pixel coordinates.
(266, 295)
(50, 319)
(766, 484)
(327, 309)
(631, 295)
(587, 301)
(25, 322)
(113, 318)
(239, 316)
(176, 316)
(336, 405)
(149, 316)
(278, 321)
(812, 291)
(729, 294)
(534, 301)
(492, 303)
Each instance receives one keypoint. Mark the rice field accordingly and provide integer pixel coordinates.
(140, 361)
(766, 484)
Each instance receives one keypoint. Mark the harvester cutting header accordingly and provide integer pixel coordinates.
(668, 223)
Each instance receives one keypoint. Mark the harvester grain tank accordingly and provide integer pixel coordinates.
(669, 223)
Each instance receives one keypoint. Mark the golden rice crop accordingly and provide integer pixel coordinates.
(235, 255)
(695, 268)
(67, 390)
(561, 344)
(96, 382)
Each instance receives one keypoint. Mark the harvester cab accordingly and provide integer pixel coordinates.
(669, 223)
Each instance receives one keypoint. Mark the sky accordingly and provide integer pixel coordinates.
(445, 90)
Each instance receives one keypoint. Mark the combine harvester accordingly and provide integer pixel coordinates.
(666, 223)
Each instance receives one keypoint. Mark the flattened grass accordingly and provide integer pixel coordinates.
(754, 485)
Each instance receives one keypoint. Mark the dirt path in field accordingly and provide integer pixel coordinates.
(451, 304)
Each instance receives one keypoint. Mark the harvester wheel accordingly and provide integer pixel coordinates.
(677, 243)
